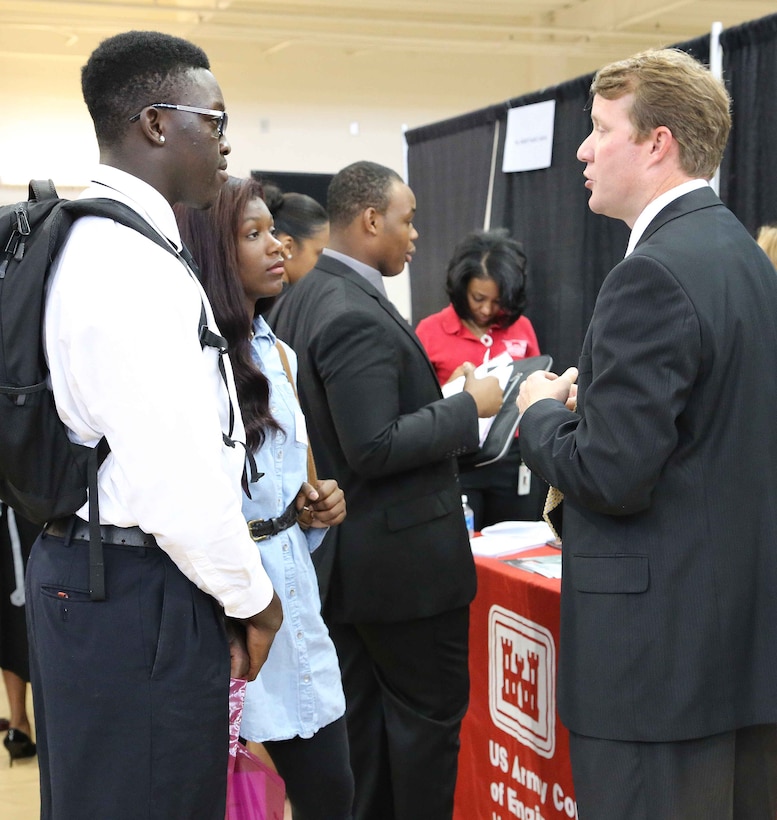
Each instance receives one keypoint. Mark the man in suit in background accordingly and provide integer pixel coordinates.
(668, 656)
(402, 574)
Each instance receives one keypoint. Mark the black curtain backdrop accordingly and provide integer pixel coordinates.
(569, 249)
(448, 170)
(314, 185)
(748, 178)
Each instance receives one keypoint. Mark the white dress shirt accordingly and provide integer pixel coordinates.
(652, 209)
(121, 337)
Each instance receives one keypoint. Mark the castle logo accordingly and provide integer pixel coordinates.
(522, 680)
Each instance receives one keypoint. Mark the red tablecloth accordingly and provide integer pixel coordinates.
(514, 759)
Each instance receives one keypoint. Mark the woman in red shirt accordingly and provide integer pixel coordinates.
(486, 284)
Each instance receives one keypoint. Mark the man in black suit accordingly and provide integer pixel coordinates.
(668, 656)
(401, 575)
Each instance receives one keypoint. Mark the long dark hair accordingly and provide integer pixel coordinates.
(211, 236)
(489, 255)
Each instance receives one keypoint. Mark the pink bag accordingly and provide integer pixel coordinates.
(254, 791)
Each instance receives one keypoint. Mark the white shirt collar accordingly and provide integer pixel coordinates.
(139, 195)
(372, 275)
(652, 209)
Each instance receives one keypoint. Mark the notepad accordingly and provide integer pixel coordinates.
(501, 367)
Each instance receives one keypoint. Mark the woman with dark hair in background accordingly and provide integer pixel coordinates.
(302, 228)
(486, 284)
(295, 707)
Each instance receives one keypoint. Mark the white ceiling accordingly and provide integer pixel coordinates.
(591, 30)
(312, 85)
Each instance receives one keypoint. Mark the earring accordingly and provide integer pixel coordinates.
(161, 138)
(288, 256)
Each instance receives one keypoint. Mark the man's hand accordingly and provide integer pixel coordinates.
(322, 505)
(250, 645)
(546, 385)
(486, 391)
(238, 654)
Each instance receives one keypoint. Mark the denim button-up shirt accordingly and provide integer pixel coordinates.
(299, 689)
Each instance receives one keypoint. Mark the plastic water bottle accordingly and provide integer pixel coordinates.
(469, 516)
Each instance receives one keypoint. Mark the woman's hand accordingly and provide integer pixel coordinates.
(322, 505)
(459, 371)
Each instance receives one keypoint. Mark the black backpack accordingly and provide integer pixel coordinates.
(43, 475)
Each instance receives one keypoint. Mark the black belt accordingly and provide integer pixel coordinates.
(76, 529)
(262, 529)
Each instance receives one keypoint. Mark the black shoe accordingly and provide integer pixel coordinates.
(19, 745)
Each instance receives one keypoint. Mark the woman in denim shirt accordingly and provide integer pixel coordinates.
(296, 705)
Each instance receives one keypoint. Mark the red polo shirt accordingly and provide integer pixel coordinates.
(449, 343)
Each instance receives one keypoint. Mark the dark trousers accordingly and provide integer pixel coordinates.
(731, 776)
(131, 693)
(406, 688)
(317, 773)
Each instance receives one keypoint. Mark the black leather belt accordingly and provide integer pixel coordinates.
(261, 529)
(76, 529)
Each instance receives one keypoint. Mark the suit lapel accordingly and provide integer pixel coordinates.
(337, 268)
(694, 201)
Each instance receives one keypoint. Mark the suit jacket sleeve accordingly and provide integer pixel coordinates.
(374, 386)
(639, 362)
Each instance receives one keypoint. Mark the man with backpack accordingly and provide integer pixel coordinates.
(131, 692)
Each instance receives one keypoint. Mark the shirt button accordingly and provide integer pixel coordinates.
(292, 592)
(299, 635)
(306, 678)
(285, 547)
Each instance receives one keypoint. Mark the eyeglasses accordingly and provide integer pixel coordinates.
(219, 117)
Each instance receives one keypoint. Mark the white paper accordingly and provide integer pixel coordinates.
(501, 367)
(529, 137)
(522, 530)
(511, 537)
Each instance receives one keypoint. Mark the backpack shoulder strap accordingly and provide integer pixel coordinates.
(119, 212)
(40, 189)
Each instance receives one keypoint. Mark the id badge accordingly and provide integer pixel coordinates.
(524, 480)
(299, 426)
